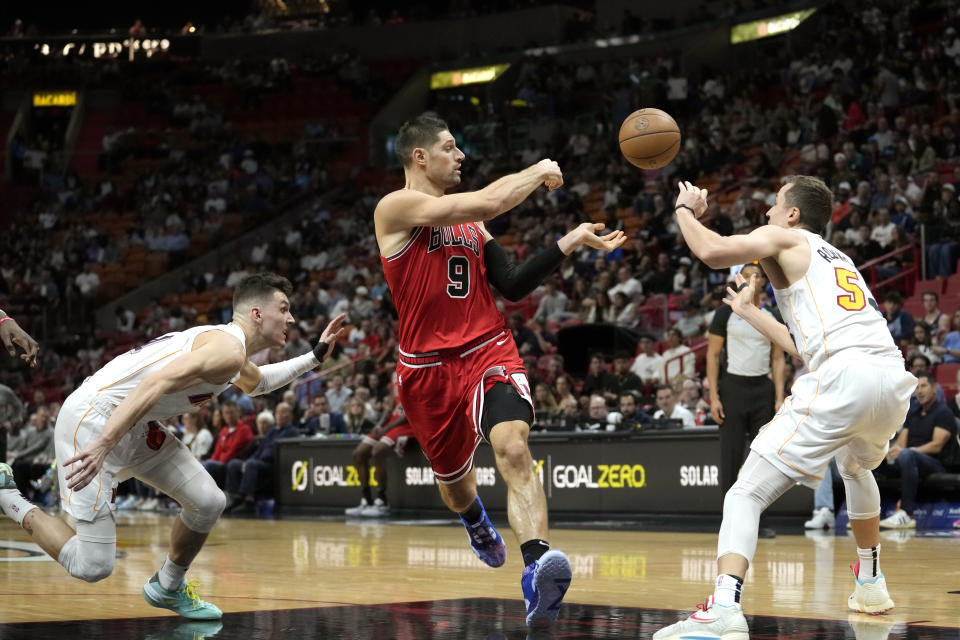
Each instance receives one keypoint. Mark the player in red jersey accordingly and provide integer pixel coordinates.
(459, 375)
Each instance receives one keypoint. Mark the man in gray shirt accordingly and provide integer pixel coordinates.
(11, 419)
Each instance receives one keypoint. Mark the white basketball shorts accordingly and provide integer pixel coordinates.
(852, 401)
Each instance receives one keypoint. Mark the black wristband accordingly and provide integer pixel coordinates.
(514, 281)
(685, 206)
(320, 351)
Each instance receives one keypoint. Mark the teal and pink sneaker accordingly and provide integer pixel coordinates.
(183, 601)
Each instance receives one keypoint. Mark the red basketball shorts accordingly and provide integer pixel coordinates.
(442, 394)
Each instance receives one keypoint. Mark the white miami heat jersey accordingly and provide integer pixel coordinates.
(830, 309)
(116, 379)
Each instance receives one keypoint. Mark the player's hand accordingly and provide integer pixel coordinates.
(87, 465)
(742, 297)
(609, 242)
(329, 337)
(893, 453)
(12, 334)
(716, 410)
(693, 197)
(552, 176)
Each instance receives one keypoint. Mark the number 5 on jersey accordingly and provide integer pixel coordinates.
(458, 272)
(854, 299)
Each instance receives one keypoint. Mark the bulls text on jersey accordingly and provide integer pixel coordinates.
(454, 236)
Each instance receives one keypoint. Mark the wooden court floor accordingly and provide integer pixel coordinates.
(262, 565)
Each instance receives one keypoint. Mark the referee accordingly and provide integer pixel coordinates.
(743, 397)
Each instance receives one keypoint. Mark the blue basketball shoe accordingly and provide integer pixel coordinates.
(544, 584)
(485, 541)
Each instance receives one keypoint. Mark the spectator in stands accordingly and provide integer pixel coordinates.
(630, 415)
(661, 279)
(624, 311)
(234, 439)
(563, 388)
(596, 417)
(246, 477)
(649, 365)
(923, 447)
(692, 323)
(899, 321)
(597, 309)
(196, 435)
(87, 282)
(553, 304)
(543, 398)
(678, 359)
(355, 419)
(296, 345)
(691, 399)
(338, 394)
(626, 284)
(922, 342)
(30, 460)
(623, 378)
(949, 349)
(319, 420)
(668, 409)
(937, 321)
(528, 342)
(598, 380)
(943, 223)
(11, 420)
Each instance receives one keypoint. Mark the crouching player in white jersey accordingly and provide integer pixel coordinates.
(107, 432)
(847, 407)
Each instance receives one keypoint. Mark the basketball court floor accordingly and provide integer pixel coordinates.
(400, 579)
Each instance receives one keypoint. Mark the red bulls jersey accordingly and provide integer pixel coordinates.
(439, 284)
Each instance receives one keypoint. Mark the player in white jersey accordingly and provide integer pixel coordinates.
(847, 407)
(108, 431)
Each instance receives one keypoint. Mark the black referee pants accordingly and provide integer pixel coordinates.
(748, 404)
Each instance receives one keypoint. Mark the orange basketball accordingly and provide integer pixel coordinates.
(649, 138)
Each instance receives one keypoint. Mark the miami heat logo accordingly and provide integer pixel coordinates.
(155, 436)
(641, 124)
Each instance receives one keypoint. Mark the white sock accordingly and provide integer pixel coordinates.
(869, 563)
(727, 590)
(14, 505)
(171, 575)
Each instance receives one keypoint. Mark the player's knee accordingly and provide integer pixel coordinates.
(203, 507)
(514, 453)
(381, 450)
(88, 561)
(93, 571)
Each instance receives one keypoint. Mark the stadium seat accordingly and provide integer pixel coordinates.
(914, 306)
(947, 377)
(952, 285)
(927, 285)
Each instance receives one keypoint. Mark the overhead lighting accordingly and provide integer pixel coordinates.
(769, 26)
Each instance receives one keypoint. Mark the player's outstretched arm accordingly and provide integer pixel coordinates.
(719, 252)
(256, 380)
(215, 362)
(410, 208)
(11, 334)
(741, 301)
(516, 281)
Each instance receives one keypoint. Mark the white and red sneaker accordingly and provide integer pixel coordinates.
(711, 621)
(869, 596)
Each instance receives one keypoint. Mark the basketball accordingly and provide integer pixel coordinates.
(649, 138)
